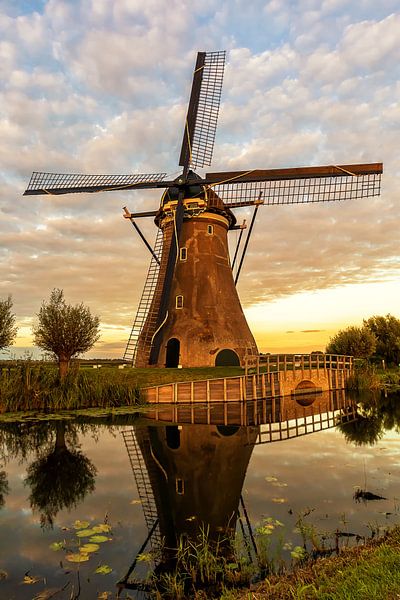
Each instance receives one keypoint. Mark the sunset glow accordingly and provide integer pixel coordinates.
(102, 87)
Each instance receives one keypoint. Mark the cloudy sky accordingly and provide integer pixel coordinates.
(101, 86)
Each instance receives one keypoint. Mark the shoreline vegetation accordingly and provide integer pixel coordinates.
(28, 385)
(370, 571)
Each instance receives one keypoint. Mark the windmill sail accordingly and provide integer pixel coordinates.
(202, 116)
(67, 183)
(297, 185)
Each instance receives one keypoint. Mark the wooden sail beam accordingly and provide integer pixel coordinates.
(292, 173)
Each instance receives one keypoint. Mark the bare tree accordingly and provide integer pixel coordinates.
(8, 330)
(65, 330)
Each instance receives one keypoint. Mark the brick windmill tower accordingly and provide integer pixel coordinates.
(190, 314)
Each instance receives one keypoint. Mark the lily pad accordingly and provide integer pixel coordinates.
(56, 546)
(81, 524)
(88, 548)
(99, 539)
(30, 579)
(103, 569)
(85, 532)
(298, 553)
(77, 558)
(101, 528)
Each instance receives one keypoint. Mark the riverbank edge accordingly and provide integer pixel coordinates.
(365, 572)
(39, 389)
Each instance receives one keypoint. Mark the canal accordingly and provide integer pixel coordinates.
(81, 495)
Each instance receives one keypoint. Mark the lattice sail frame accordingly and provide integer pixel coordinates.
(202, 116)
(299, 191)
(64, 183)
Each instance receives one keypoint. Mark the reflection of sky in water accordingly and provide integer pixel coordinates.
(320, 470)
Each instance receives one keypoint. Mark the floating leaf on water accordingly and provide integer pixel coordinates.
(56, 546)
(136, 502)
(279, 500)
(104, 595)
(85, 532)
(81, 524)
(99, 539)
(103, 570)
(265, 530)
(287, 546)
(101, 528)
(77, 558)
(88, 548)
(30, 579)
(271, 478)
(298, 553)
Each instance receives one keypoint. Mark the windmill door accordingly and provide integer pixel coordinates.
(172, 357)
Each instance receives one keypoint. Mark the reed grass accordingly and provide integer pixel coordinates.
(32, 386)
(28, 387)
(368, 572)
(364, 378)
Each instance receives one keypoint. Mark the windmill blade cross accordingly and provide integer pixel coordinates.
(68, 183)
(202, 116)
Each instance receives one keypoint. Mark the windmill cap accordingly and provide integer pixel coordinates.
(193, 189)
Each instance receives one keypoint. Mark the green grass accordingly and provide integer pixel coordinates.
(370, 572)
(30, 386)
(149, 377)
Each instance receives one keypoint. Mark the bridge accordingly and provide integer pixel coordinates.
(265, 376)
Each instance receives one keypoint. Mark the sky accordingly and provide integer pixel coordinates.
(101, 86)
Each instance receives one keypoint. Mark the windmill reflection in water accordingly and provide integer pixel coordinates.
(190, 463)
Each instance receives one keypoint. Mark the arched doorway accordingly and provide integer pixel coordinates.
(173, 436)
(227, 358)
(172, 356)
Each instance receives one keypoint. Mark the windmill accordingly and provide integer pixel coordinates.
(190, 314)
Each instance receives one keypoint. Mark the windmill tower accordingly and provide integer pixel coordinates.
(190, 314)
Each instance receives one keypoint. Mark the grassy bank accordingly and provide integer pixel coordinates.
(368, 572)
(368, 377)
(38, 387)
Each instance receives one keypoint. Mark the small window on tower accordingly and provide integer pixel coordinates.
(179, 302)
(180, 486)
(210, 229)
(183, 253)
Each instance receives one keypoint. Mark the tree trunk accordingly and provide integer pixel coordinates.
(63, 366)
(60, 444)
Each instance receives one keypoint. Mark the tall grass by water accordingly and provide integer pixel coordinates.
(39, 387)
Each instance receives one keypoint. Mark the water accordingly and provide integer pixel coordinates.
(54, 473)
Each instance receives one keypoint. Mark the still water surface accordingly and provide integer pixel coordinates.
(54, 473)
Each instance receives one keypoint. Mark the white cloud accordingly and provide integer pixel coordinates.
(102, 86)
